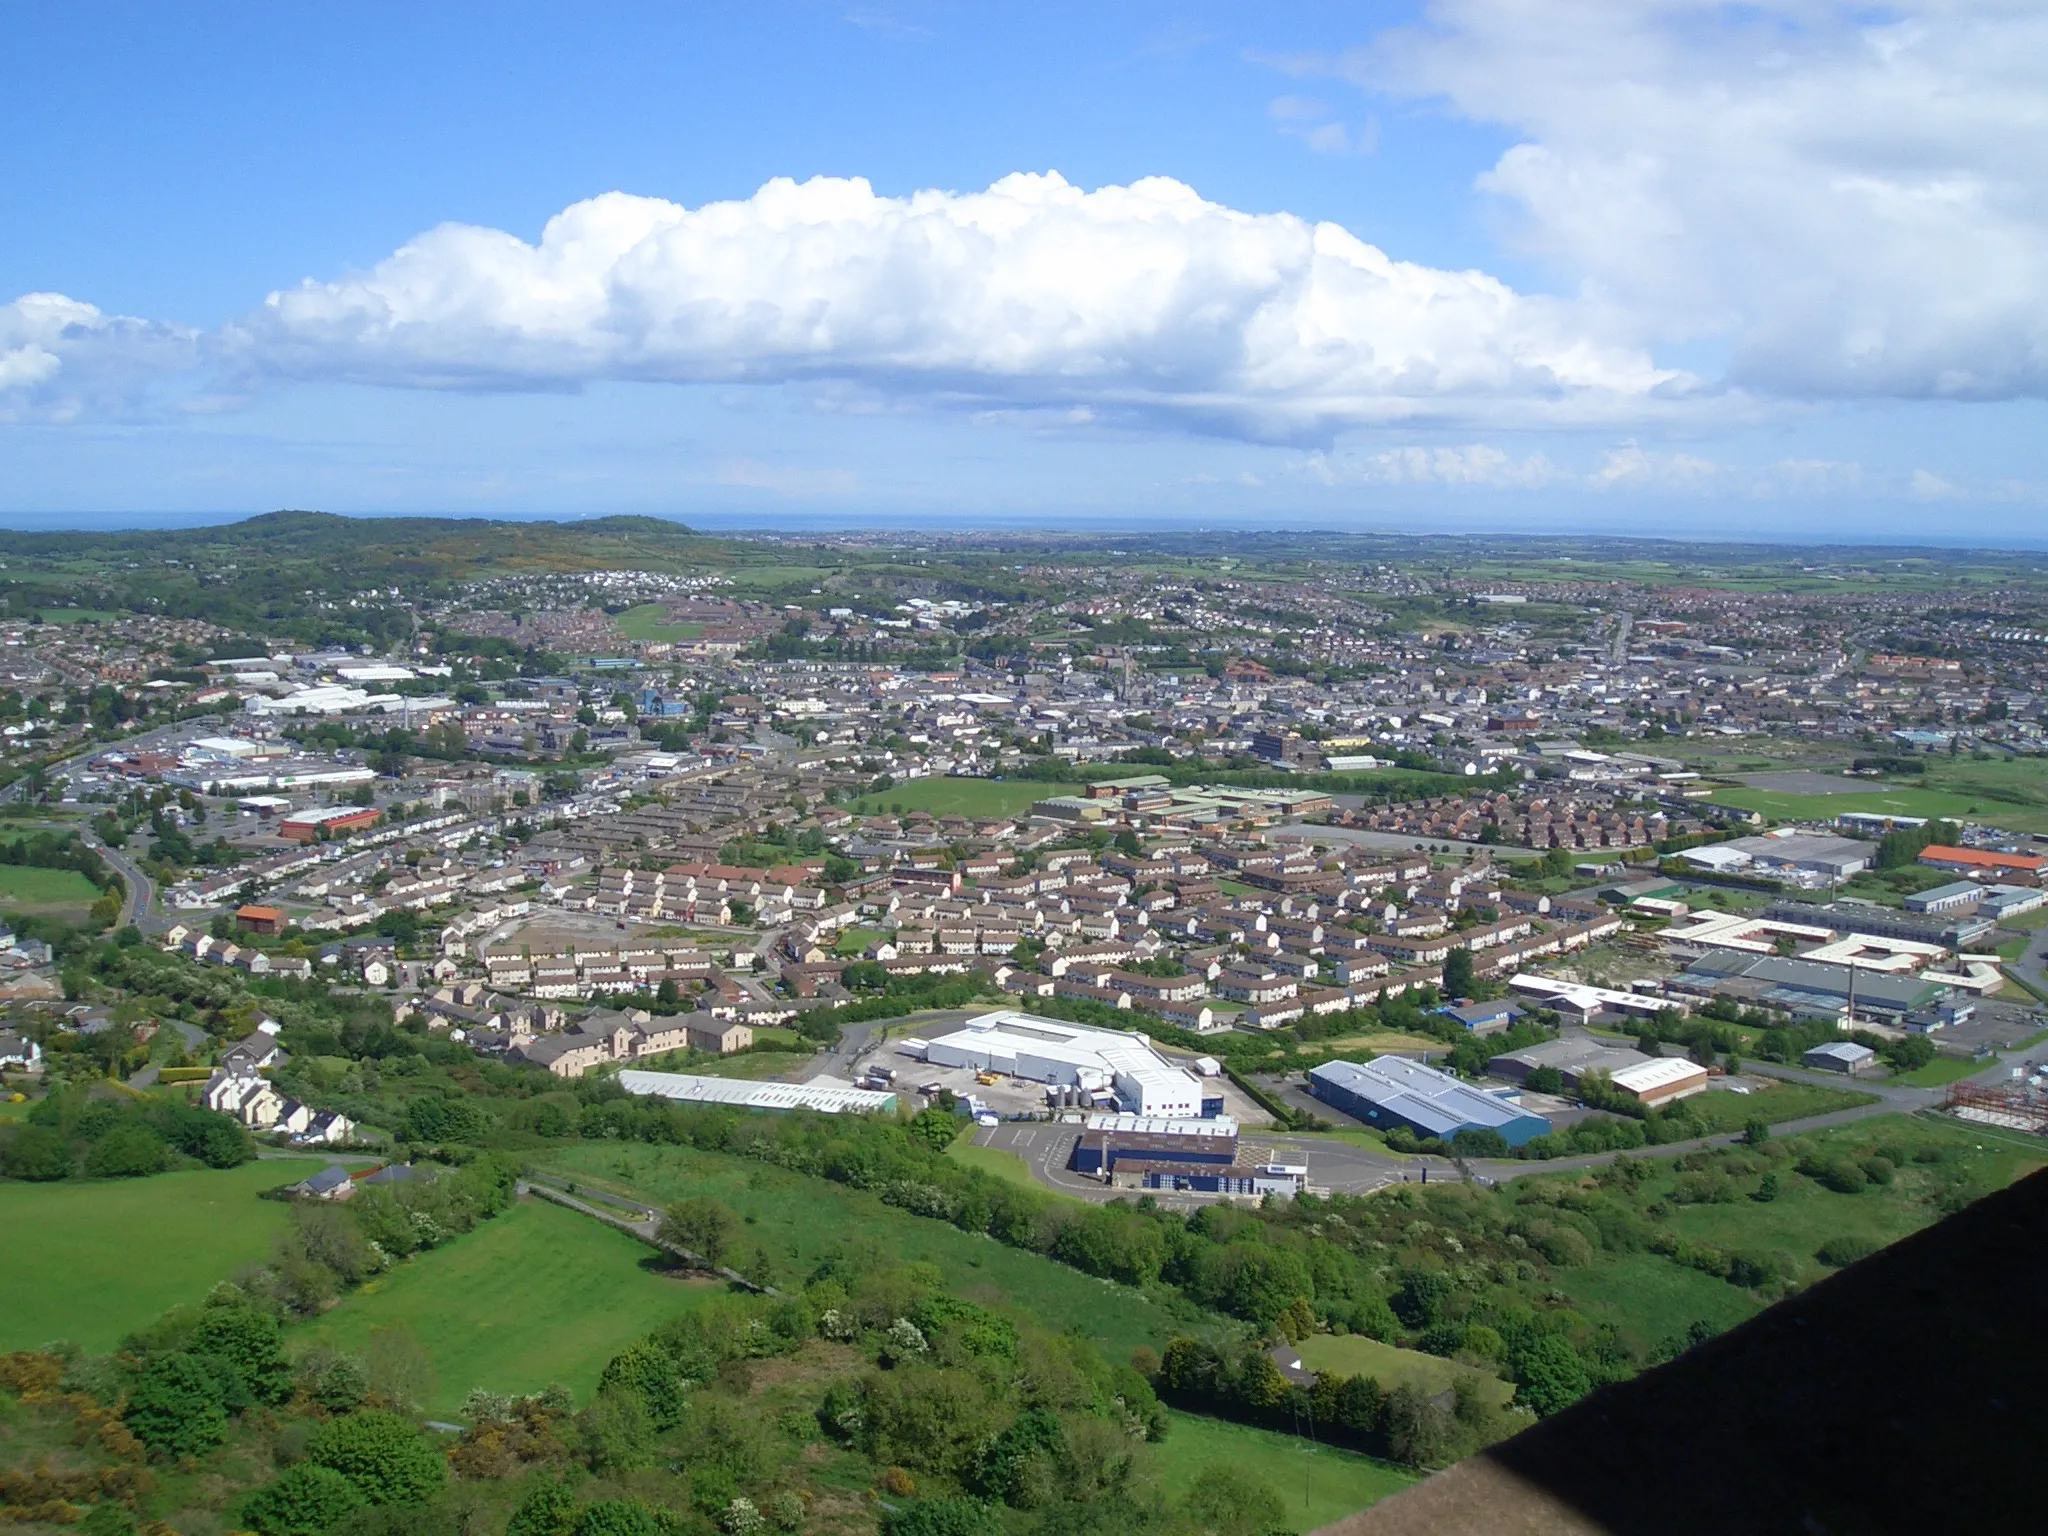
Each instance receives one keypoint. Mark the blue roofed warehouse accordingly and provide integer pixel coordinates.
(1390, 1091)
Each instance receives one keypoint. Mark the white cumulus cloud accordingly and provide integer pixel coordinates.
(60, 358)
(1140, 301)
(1855, 196)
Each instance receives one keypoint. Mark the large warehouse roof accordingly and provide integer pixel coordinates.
(1421, 1095)
(829, 1098)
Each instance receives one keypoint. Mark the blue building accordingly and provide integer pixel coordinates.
(1482, 1018)
(1390, 1091)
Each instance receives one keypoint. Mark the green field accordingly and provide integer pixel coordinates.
(1353, 1354)
(45, 889)
(751, 1065)
(962, 797)
(535, 1296)
(1942, 1071)
(1717, 1112)
(644, 623)
(1317, 1484)
(1007, 1166)
(90, 1261)
(799, 1219)
(1888, 801)
(1654, 1298)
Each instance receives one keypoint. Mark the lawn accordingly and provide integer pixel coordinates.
(990, 798)
(1353, 1354)
(799, 1219)
(535, 1296)
(1317, 1484)
(1387, 1040)
(91, 1260)
(1654, 1298)
(1719, 1111)
(45, 889)
(1007, 1166)
(1942, 1071)
(644, 623)
(750, 1065)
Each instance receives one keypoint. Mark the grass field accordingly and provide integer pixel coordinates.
(1888, 801)
(962, 797)
(535, 1296)
(799, 1219)
(1784, 1101)
(1007, 1166)
(90, 1261)
(1654, 1298)
(45, 890)
(1942, 1071)
(1353, 1354)
(1317, 1484)
(644, 623)
(1384, 1041)
(1805, 1215)
(752, 1066)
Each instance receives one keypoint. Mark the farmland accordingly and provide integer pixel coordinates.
(512, 1306)
(1316, 1483)
(89, 1261)
(962, 797)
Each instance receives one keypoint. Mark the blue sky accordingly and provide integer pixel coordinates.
(1651, 264)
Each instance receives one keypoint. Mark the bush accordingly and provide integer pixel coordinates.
(617, 1517)
(1835, 1173)
(944, 1517)
(178, 1407)
(1841, 1252)
(127, 1152)
(37, 1154)
(1549, 1374)
(387, 1460)
(305, 1501)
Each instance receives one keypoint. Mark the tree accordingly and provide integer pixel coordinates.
(1545, 1080)
(306, 1500)
(651, 1374)
(37, 1154)
(127, 1152)
(549, 1509)
(398, 1367)
(1549, 1373)
(386, 1459)
(1458, 973)
(944, 1517)
(936, 1128)
(668, 996)
(702, 1226)
(248, 1341)
(177, 1408)
(617, 1517)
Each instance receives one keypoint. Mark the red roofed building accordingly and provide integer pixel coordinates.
(1981, 861)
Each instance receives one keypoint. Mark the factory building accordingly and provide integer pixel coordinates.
(1389, 1091)
(1109, 1140)
(825, 1095)
(1073, 1056)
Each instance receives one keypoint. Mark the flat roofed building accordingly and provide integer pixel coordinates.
(1101, 1152)
(823, 1095)
(1572, 1059)
(1981, 861)
(1389, 1091)
(1072, 1055)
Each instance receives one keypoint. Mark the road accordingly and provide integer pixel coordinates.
(141, 890)
(857, 1041)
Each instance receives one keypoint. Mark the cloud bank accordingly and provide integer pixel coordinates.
(1855, 196)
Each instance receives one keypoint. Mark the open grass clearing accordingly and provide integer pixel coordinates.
(45, 890)
(648, 622)
(1653, 1298)
(799, 1219)
(534, 1296)
(1720, 1111)
(1353, 1354)
(989, 798)
(1316, 1484)
(1007, 1166)
(93, 1259)
(1942, 1071)
(1887, 801)
(1386, 1040)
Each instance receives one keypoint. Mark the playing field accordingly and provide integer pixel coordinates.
(1353, 1354)
(645, 623)
(962, 797)
(535, 1296)
(92, 1260)
(1317, 1484)
(1888, 801)
(45, 890)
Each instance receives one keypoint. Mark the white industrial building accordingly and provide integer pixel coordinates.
(827, 1095)
(1074, 1056)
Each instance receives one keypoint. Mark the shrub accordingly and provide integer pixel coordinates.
(37, 1154)
(548, 1509)
(387, 1460)
(127, 1152)
(178, 1407)
(305, 1501)
(1549, 1374)
(617, 1517)
(944, 1517)
(1840, 1252)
